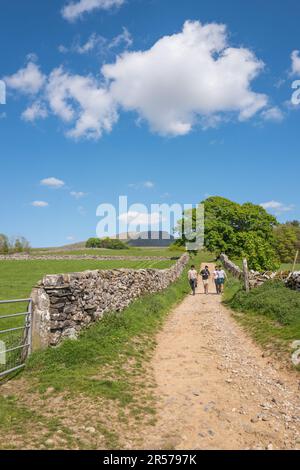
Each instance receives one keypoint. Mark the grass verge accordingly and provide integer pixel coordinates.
(108, 363)
(271, 314)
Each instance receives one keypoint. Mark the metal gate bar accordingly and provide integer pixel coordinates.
(25, 339)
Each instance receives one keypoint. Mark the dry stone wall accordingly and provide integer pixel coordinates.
(293, 281)
(257, 279)
(230, 266)
(66, 303)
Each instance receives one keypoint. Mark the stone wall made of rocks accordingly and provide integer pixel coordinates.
(231, 267)
(256, 279)
(293, 281)
(64, 304)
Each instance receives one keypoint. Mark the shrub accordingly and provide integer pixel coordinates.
(109, 243)
(272, 299)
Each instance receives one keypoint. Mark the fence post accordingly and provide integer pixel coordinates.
(295, 261)
(246, 275)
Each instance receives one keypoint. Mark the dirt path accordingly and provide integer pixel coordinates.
(215, 390)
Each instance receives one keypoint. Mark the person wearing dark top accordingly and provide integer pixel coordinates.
(205, 274)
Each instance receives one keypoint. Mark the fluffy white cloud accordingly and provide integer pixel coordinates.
(83, 100)
(40, 204)
(36, 111)
(74, 10)
(277, 207)
(78, 194)
(189, 76)
(52, 182)
(28, 80)
(273, 114)
(295, 56)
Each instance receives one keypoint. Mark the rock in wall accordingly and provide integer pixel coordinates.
(63, 304)
(293, 281)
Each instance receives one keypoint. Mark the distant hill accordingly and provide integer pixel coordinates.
(135, 239)
(151, 239)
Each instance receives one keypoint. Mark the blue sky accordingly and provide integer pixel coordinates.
(171, 124)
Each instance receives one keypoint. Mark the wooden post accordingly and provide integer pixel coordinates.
(246, 275)
(295, 261)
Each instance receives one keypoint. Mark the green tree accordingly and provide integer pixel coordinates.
(239, 230)
(108, 243)
(4, 244)
(287, 241)
(93, 243)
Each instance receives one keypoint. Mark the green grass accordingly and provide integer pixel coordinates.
(271, 313)
(283, 267)
(139, 252)
(108, 361)
(289, 267)
(18, 277)
(110, 342)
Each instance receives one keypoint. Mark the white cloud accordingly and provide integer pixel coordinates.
(143, 184)
(98, 43)
(52, 182)
(28, 80)
(71, 238)
(81, 100)
(190, 75)
(122, 38)
(141, 218)
(295, 56)
(75, 10)
(273, 114)
(77, 194)
(277, 207)
(36, 111)
(40, 204)
(193, 78)
(149, 184)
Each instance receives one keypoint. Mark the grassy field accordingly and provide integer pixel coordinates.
(271, 313)
(138, 252)
(18, 277)
(110, 366)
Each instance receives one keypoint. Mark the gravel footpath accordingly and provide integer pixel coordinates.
(215, 389)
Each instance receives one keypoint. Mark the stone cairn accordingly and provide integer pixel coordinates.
(64, 304)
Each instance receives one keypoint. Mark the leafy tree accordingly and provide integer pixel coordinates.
(287, 240)
(239, 230)
(4, 244)
(109, 243)
(93, 243)
(17, 245)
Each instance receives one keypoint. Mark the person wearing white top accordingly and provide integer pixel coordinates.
(221, 279)
(216, 277)
(193, 277)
